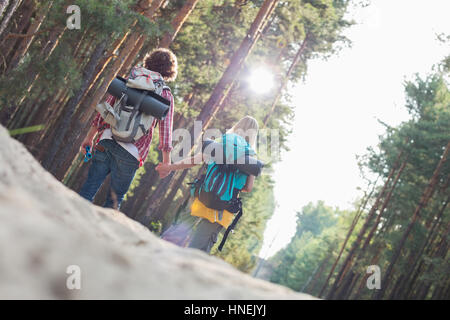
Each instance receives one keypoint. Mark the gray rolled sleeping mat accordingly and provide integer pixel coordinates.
(152, 103)
(245, 164)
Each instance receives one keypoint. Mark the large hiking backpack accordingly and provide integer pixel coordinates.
(218, 189)
(128, 122)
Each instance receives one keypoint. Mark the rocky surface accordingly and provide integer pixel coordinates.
(45, 228)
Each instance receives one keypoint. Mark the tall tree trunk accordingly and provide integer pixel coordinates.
(177, 23)
(311, 287)
(128, 63)
(131, 46)
(11, 8)
(102, 193)
(140, 191)
(348, 261)
(347, 237)
(83, 117)
(437, 292)
(383, 207)
(13, 32)
(223, 86)
(79, 127)
(28, 39)
(164, 206)
(147, 180)
(124, 62)
(54, 116)
(374, 261)
(3, 5)
(47, 50)
(151, 10)
(441, 253)
(285, 80)
(348, 292)
(45, 111)
(347, 283)
(430, 251)
(73, 102)
(221, 90)
(417, 257)
(427, 194)
(35, 104)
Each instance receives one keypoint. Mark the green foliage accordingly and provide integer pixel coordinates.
(305, 263)
(155, 227)
(314, 219)
(208, 39)
(204, 47)
(319, 234)
(100, 20)
(445, 64)
(423, 140)
(102, 17)
(26, 130)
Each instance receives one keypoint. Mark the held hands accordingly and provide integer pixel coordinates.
(163, 169)
(84, 144)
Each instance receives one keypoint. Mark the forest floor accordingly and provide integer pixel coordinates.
(56, 245)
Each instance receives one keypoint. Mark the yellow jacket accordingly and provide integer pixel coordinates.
(198, 209)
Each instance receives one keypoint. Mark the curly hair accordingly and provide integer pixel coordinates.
(163, 61)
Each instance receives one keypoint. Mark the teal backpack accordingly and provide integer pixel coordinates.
(218, 189)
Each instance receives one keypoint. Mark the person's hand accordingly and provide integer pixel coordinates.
(163, 169)
(86, 142)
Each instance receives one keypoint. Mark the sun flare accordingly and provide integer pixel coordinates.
(261, 80)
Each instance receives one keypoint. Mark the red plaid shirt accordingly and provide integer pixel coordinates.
(143, 144)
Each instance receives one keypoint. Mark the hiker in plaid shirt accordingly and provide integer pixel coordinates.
(120, 159)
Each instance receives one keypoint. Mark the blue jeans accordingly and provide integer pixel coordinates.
(116, 161)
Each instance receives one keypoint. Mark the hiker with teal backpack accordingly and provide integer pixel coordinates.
(215, 196)
(124, 125)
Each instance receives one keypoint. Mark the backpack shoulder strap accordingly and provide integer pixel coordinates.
(231, 226)
(161, 85)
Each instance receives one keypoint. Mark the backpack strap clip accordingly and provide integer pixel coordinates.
(231, 226)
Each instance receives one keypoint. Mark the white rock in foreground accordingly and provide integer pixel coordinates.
(45, 228)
